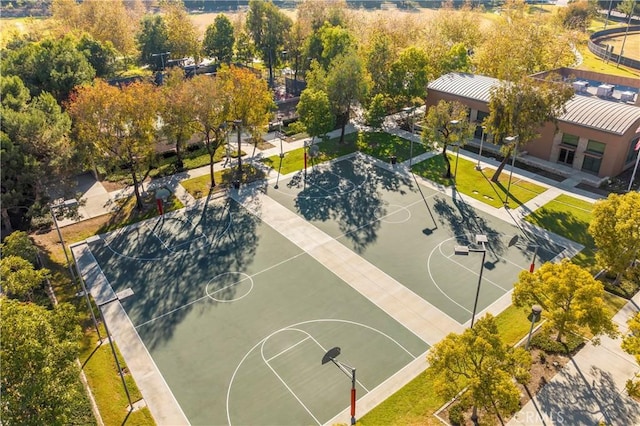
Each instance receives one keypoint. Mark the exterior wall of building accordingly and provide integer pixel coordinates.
(548, 145)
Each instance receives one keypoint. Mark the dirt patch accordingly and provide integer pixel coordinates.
(110, 186)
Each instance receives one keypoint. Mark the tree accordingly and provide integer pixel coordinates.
(246, 98)
(631, 345)
(19, 278)
(378, 58)
(629, 7)
(409, 76)
(440, 129)
(117, 126)
(377, 111)
(39, 383)
(177, 110)
(268, 28)
(346, 85)
(19, 244)
(577, 15)
(101, 56)
(520, 44)
(219, 39)
(315, 113)
(615, 229)
(211, 116)
(570, 296)
(335, 41)
(478, 360)
(152, 39)
(521, 109)
(182, 35)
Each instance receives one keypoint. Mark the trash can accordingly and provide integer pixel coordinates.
(236, 184)
(393, 159)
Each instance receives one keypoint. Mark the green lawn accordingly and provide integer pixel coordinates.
(200, 186)
(569, 217)
(477, 184)
(377, 144)
(106, 385)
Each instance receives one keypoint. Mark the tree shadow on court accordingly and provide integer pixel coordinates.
(207, 267)
(465, 223)
(349, 193)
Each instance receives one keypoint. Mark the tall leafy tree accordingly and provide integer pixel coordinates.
(117, 126)
(631, 345)
(521, 109)
(615, 229)
(182, 35)
(210, 114)
(39, 382)
(409, 76)
(268, 28)
(219, 39)
(346, 85)
(478, 360)
(178, 111)
(315, 112)
(335, 40)
(153, 39)
(19, 278)
(378, 58)
(440, 129)
(570, 296)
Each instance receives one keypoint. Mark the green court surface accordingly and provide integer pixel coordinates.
(237, 318)
(410, 232)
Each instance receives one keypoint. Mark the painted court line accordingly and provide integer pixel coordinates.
(287, 349)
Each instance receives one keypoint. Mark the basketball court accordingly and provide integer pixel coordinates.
(238, 308)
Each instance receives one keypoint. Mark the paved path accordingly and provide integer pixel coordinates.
(589, 389)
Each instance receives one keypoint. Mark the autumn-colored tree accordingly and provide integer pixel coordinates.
(570, 296)
(444, 124)
(520, 109)
(117, 126)
(631, 345)
(210, 114)
(615, 229)
(520, 44)
(177, 110)
(246, 99)
(182, 35)
(478, 360)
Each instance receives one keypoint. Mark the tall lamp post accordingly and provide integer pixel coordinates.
(536, 311)
(478, 166)
(481, 240)
(512, 140)
(330, 356)
(408, 111)
(67, 204)
(454, 124)
(238, 124)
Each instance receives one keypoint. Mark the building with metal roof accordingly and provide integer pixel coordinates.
(597, 134)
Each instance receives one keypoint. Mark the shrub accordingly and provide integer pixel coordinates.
(456, 414)
(546, 342)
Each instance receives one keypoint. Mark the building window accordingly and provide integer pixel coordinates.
(567, 149)
(479, 119)
(593, 156)
(632, 154)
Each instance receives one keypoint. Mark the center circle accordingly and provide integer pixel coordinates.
(229, 287)
(400, 214)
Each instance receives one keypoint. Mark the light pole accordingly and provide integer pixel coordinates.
(536, 311)
(481, 240)
(330, 356)
(478, 166)
(238, 124)
(408, 110)
(533, 261)
(513, 140)
(454, 125)
(279, 134)
(67, 204)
